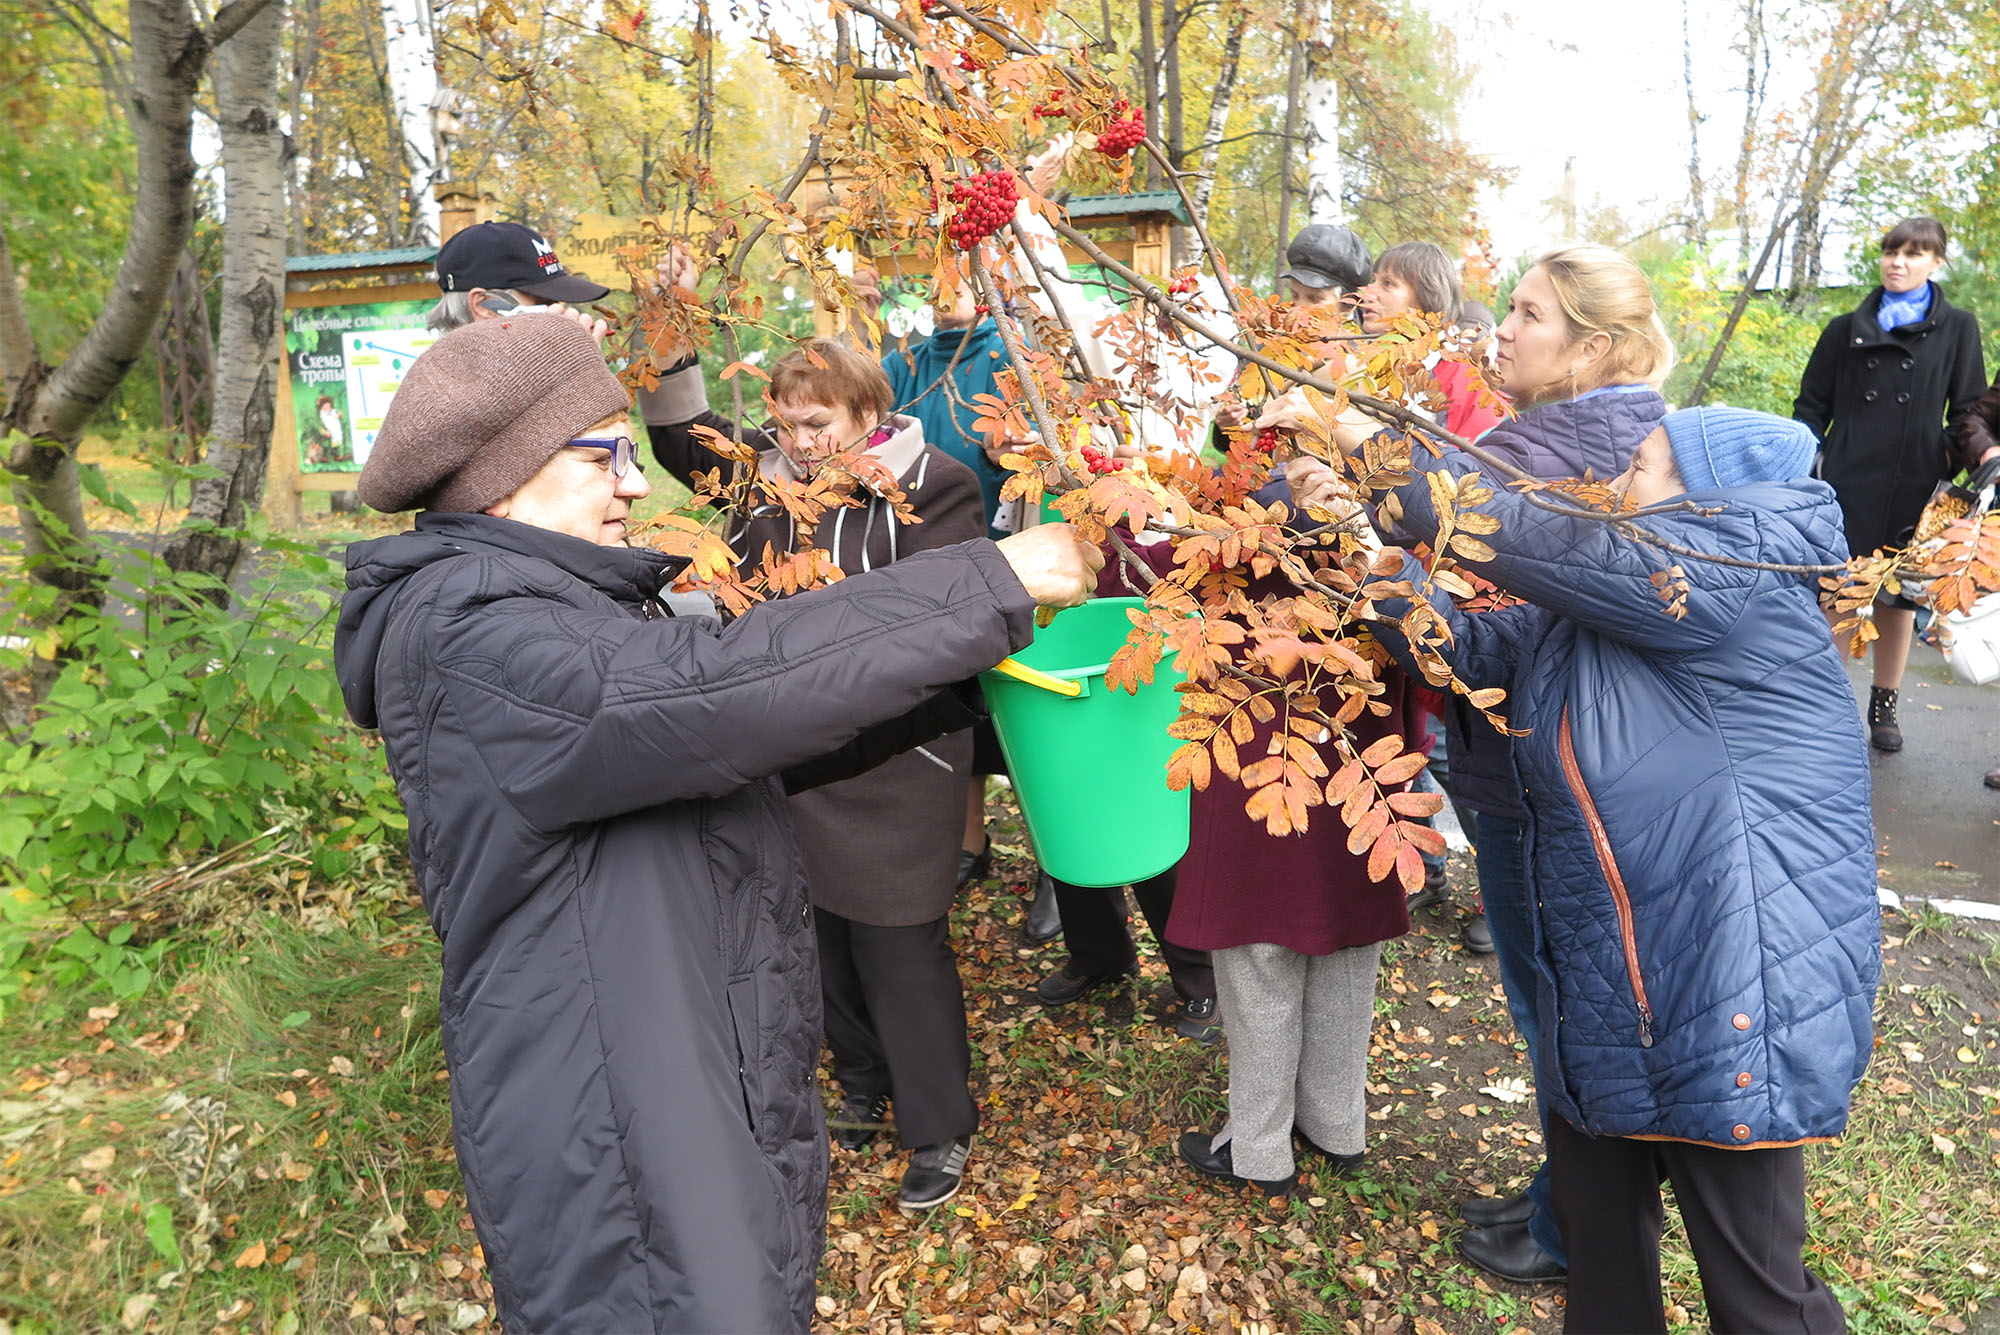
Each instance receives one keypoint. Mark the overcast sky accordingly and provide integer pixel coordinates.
(1598, 82)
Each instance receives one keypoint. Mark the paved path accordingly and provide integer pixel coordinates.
(1937, 827)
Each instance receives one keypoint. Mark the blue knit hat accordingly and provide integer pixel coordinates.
(1734, 447)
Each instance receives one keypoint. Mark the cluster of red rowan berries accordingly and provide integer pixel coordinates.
(1123, 134)
(1268, 440)
(1098, 462)
(986, 203)
(928, 7)
(970, 63)
(1183, 284)
(1053, 108)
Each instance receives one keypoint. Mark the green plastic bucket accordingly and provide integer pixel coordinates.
(1090, 770)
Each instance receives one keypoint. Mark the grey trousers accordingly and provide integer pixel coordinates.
(1298, 1029)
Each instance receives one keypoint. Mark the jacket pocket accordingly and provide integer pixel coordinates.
(1608, 863)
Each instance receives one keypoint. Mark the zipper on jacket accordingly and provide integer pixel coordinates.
(1606, 862)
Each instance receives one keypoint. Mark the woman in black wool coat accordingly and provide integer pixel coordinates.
(1887, 391)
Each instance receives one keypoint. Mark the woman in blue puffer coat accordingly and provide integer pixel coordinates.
(1580, 354)
(1700, 859)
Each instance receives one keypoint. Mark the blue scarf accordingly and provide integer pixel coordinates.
(1903, 308)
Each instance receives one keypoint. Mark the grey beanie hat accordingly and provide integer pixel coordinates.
(483, 409)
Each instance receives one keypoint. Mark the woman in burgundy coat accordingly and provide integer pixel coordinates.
(1294, 929)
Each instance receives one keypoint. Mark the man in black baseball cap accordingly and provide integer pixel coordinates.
(1326, 263)
(496, 268)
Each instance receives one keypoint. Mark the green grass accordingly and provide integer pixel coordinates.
(292, 1151)
(275, 1111)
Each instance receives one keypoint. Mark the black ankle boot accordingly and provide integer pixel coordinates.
(1883, 734)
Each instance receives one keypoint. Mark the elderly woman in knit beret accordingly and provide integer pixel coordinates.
(595, 773)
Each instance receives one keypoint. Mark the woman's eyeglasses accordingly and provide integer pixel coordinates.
(623, 453)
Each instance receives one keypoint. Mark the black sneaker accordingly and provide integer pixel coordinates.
(1196, 1149)
(934, 1175)
(1199, 1020)
(1067, 983)
(857, 1119)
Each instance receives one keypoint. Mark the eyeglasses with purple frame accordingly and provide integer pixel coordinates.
(623, 453)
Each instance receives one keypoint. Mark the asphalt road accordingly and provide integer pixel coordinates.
(1937, 827)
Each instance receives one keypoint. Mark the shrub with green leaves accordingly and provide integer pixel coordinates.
(174, 729)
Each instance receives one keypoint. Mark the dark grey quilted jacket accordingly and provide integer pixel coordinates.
(631, 1002)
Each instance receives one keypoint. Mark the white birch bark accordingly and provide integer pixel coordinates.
(1320, 131)
(413, 86)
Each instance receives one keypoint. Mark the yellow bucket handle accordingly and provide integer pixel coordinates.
(1021, 672)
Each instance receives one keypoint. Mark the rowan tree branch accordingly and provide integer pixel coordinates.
(1397, 415)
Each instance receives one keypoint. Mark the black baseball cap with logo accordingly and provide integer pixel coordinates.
(508, 255)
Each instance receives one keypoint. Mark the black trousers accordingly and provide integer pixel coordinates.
(1745, 1214)
(1099, 939)
(895, 1019)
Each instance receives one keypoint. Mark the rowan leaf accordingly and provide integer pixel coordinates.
(1241, 729)
(1416, 804)
(1472, 549)
(1344, 781)
(1224, 750)
(1267, 769)
(1382, 853)
(1268, 804)
(1366, 830)
(1381, 750)
(1188, 766)
(1424, 837)
(1410, 867)
(1400, 770)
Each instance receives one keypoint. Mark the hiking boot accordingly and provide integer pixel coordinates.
(857, 1119)
(1197, 1150)
(1068, 983)
(934, 1175)
(1199, 1020)
(1883, 734)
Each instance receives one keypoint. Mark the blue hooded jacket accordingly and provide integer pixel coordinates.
(1595, 433)
(1700, 842)
(915, 376)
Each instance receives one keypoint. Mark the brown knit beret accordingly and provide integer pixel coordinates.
(483, 409)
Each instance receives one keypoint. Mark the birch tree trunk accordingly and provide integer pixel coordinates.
(1697, 194)
(1294, 92)
(1320, 135)
(413, 84)
(169, 50)
(1756, 71)
(1149, 76)
(254, 162)
(1218, 120)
